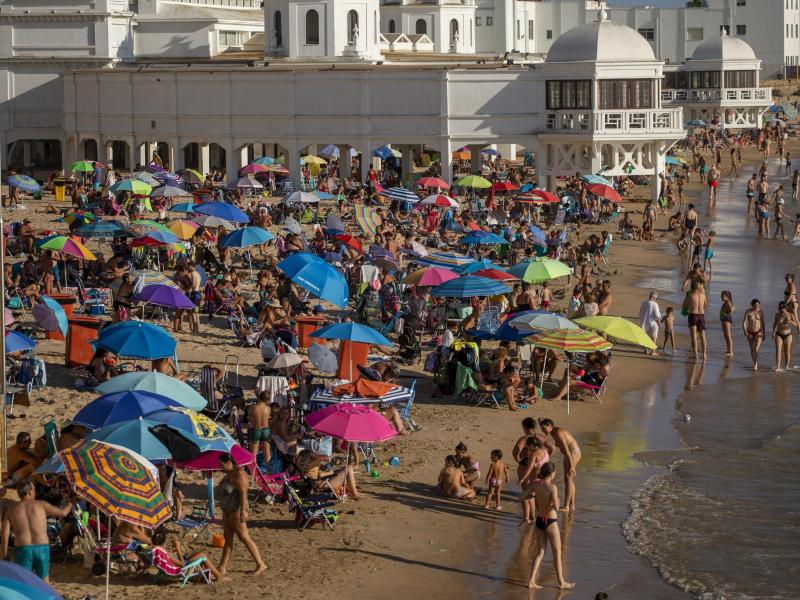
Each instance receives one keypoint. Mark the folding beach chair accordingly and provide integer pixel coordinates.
(193, 525)
(596, 391)
(468, 389)
(270, 487)
(405, 414)
(316, 509)
(162, 561)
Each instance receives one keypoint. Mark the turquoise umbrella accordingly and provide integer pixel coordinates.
(134, 435)
(158, 383)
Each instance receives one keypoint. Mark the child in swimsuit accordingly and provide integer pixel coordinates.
(496, 478)
(668, 320)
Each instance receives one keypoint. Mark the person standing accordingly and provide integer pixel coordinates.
(27, 519)
(753, 327)
(751, 192)
(569, 448)
(782, 335)
(713, 184)
(695, 306)
(259, 433)
(650, 317)
(726, 320)
(232, 498)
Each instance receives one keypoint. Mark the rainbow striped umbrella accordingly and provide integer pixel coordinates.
(367, 219)
(118, 481)
(81, 216)
(68, 245)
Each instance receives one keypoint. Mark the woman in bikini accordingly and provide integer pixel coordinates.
(782, 334)
(726, 319)
(753, 327)
(518, 452)
(790, 295)
(536, 455)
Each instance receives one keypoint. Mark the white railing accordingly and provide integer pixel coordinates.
(614, 121)
(740, 95)
(222, 3)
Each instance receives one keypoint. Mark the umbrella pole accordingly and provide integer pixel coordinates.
(4, 456)
(568, 363)
(544, 366)
(108, 557)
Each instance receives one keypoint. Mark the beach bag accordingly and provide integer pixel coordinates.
(322, 446)
(431, 362)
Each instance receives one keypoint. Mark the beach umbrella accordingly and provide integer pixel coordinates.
(146, 178)
(540, 320)
(185, 207)
(264, 160)
(400, 194)
(278, 169)
(19, 583)
(474, 181)
(432, 182)
(482, 237)
(156, 383)
(323, 195)
(539, 270)
(169, 191)
(351, 332)
(430, 276)
(322, 358)
(79, 216)
(197, 433)
(696, 123)
(368, 219)
(440, 200)
(545, 196)
(386, 151)
(351, 423)
(291, 225)
(212, 222)
(253, 168)
(17, 342)
(137, 339)
(604, 191)
(246, 236)
(143, 278)
(505, 333)
(163, 295)
(299, 197)
(182, 229)
(478, 265)
(312, 160)
(82, 166)
(146, 225)
(134, 186)
(285, 360)
(619, 329)
(504, 186)
(470, 286)
(448, 260)
(209, 460)
(595, 179)
(24, 183)
(674, 160)
(569, 340)
(247, 182)
(191, 175)
(223, 210)
(101, 229)
(67, 245)
(490, 152)
(155, 238)
(496, 274)
(349, 241)
(118, 407)
(538, 236)
(50, 315)
(318, 277)
(134, 435)
(382, 257)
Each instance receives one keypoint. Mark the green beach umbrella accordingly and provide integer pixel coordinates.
(475, 182)
(82, 166)
(150, 224)
(132, 185)
(539, 270)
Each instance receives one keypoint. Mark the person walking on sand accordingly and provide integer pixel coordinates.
(569, 448)
(232, 497)
(782, 335)
(259, 433)
(650, 317)
(751, 192)
(753, 327)
(546, 498)
(726, 320)
(695, 306)
(496, 479)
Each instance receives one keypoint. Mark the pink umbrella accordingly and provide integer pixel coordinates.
(351, 423)
(9, 316)
(430, 277)
(209, 461)
(254, 168)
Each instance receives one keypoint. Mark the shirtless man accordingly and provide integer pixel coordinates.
(546, 499)
(572, 455)
(751, 192)
(195, 295)
(605, 298)
(259, 432)
(28, 520)
(695, 305)
(451, 481)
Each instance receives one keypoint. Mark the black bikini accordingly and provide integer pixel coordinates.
(544, 523)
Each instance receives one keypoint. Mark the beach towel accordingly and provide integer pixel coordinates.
(276, 387)
(365, 388)
(163, 562)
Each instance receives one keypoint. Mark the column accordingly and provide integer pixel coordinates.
(108, 153)
(660, 166)
(293, 162)
(141, 153)
(475, 159)
(67, 151)
(232, 165)
(4, 159)
(170, 162)
(366, 156)
(446, 160)
(204, 158)
(243, 155)
(26, 154)
(344, 160)
(407, 163)
(178, 156)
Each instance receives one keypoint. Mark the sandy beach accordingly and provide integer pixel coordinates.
(403, 538)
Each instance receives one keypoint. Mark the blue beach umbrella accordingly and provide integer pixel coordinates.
(186, 207)
(17, 342)
(156, 383)
(155, 238)
(246, 236)
(265, 160)
(18, 583)
(696, 123)
(137, 339)
(505, 333)
(478, 265)
(101, 229)
(351, 332)
(469, 286)
(447, 260)
(323, 195)
(134, 435)
(482, 237)
(223, 210)
(25, 183)
(538, 235)
(318, 277)
(50, 315)
(118, 407)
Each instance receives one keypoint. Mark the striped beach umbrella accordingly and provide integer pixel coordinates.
(146, 178)
(400, 194)
(68, 245)
(539, 270)
(448, 260)
(440, 200)
(470, 286)
(367, 219)
(118, 481)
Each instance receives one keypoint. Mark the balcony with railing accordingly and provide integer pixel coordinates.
(221, 3)
(731, 96)
(615, 121)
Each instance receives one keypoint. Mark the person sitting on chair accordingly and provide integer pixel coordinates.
(179, 560)
(342, 482)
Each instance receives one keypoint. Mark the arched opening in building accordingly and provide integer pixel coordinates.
(89, 149)
(278, 29)
(391, 26)
(421, 27)
(312, 28)
(26, 156)
(352, 26)
(453, 31)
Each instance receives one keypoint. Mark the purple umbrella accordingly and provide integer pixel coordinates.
(163, 295)
(382, 257)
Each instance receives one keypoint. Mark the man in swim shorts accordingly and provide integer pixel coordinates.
(28, 520)
(259, 433)
(695, 306)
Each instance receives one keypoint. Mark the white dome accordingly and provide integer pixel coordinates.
(601, 41)
(724, 47)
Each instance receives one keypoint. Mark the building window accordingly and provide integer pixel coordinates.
(741, 2)
(453, 31)
(705, 80)
(740, 79)
(741, 30)
(231, 39)
(675, 80)
(648, 33)
(519, 29)
(352, 26)
(478, 21)
(421, 27)
(549, 34)
(391, 26)
(530, 29)
(489, 21)
(625, 93)
(569, 94)
(694, 34)
(312, 28)
(278, 28)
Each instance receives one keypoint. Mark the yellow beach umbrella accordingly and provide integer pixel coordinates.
(314, 160)
(184, 230)
(618, 329)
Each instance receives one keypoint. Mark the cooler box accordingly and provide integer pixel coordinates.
(305, 327)
(79, 350)
(351, 354)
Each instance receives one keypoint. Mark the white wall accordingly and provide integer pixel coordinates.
(173, 38)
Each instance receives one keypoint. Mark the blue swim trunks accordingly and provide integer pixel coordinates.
(35, 558)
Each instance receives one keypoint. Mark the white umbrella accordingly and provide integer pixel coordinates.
(249, 182)
(300, 198)
(323, 358)
(212, 221)
(286, 360)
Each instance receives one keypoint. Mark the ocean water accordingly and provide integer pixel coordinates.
(724, 522)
